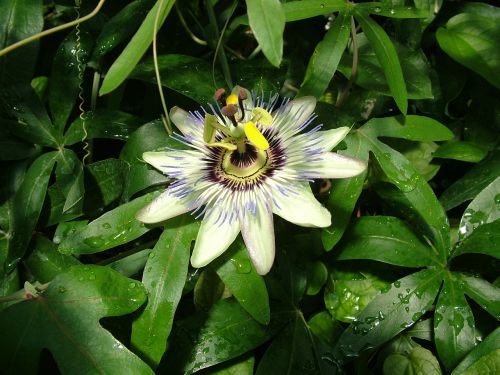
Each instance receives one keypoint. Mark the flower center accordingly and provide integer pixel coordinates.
(241, 171)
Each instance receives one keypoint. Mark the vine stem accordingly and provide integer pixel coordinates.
(37, 36)
(354, 70)
(164, 118)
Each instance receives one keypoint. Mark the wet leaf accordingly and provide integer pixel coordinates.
(27, 205)
(484, 240)
(224, 332)
(484, 209)
(238, 274)
(45, 262)
(484, 293)
(385, 239)
(19, 20)
(102, 123)
(454, 326)
(390, 312)
(185, 74)
(164, 277)
(135, 49)
(418, 361)
(65, 320)
(484, 359)
(114, 228)
(294, 351)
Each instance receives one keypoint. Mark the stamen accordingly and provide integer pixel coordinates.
(208, 128)
(242, 95)
(227, 146)
(255, 136)
(220, 96)
(232, 100)
(229, 111)
(262, 116)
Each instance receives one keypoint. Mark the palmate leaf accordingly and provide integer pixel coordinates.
(65, 320)
(224, 332)
(296, 350)
(484, 359)
(385, 239)
(389, 313)
(454, 328)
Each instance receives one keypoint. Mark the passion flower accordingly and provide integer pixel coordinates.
(247, 159)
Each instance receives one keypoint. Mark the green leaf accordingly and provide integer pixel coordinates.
(484, 359)
(348, 293)
(473, 182)
(65, 320)
(413, 197)
(27, 205)
(114, 228)
(45, 262)
(164, 278)
(135, 49)
(299, 10)
(387, 57)
(141, 176)
(267, 20)
(19, 19)
(185, 74)
(102, 123)
(294, 351)
(69, 179)
(484, 240)
(119, 28)
(485, 294)
(326, 57)
(463, 151)
(65, 80)
(392, 10)
(33, 125)
(418, 361)
(238, 366)
(471, 38)
(131, 264)
(344, 194)
(317, 274)
(224, 332)
(385, 239)
(485, 208)
(208, 289)
(324, 326)
(370, 73)
(411, 127)
(104, 183)
(13, 148)
(389, 313)
(238, 274)
(454, 327)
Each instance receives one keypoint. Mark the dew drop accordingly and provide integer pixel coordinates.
(94, 241)
(377, 10)
(151, 255)
(62, 289)
(106, 225)
(132, 285)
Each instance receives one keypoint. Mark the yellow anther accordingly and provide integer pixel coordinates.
(227, 146)
(232, 99)
(255, 136)
(262, 116)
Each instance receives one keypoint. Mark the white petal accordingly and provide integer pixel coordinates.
(182, 120)
(258, 233)
(163, 208)
(216, 234)
(331, 138)
(302, 107)
(301, 207)
(166, 161)
(334, 165)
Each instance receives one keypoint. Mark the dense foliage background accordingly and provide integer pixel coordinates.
(405, 280)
